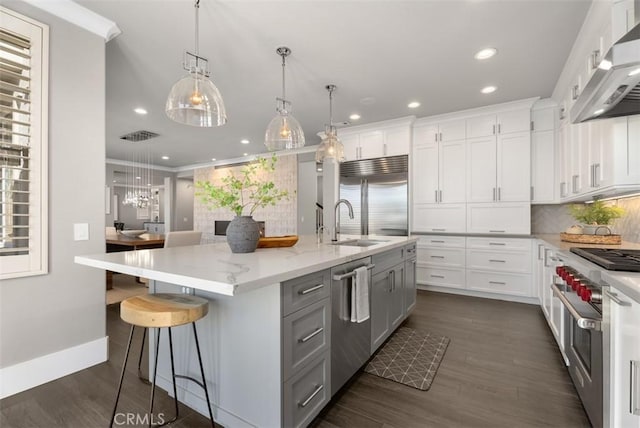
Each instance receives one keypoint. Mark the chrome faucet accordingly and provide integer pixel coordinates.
(334, 231)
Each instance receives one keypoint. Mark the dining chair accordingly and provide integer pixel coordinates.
(182, 238)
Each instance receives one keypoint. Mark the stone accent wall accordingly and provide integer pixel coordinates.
(279, 219)
(556, 218)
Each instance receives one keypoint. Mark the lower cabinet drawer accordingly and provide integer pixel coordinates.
(504, 283)
(517, 262)
(305, 335)
(307, 392)
(442, 277)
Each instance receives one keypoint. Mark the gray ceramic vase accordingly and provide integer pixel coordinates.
(243, 234)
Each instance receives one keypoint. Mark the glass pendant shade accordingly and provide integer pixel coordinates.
(330, 147)
(284, 132)
(194, 100)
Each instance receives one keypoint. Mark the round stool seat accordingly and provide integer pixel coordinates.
(163, 309)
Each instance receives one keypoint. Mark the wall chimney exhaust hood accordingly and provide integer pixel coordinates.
(614, 88)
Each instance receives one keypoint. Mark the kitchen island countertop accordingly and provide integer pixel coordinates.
(214, 268)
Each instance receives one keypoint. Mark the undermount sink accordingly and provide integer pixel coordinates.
(359, 242)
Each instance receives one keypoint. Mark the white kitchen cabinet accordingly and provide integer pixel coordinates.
(499, 218)
(624, 358)
(501, 123)
(438, 167)
(498, 169)
(388, 138)
(449, 218)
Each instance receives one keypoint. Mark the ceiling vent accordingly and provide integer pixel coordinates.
(138, 136)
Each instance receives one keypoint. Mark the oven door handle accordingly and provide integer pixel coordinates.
(583, 322)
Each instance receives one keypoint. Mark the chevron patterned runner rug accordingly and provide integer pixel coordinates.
(410, 357)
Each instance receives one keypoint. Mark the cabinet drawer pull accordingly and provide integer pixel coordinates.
(497, 261)
(312, 335)
(614, 298)
(497, 282)
(310, 290)
(634, 408)
(313, 394)
(437, 276)
(437, 257)
(497, 243)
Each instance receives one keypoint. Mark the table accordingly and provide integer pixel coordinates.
(119, 242)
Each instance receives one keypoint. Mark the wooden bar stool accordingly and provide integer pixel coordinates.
(163, 310)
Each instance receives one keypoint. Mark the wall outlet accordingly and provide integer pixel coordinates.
(81, 231)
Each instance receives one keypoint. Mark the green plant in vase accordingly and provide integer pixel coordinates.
(243, 192)
(596, 214)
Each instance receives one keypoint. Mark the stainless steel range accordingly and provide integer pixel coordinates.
(579, 286)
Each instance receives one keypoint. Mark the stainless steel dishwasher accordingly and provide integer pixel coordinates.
(350, 341)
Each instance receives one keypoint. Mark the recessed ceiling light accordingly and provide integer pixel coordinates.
(488, 89)
(634, 72)
(599, 111)
(213, 159)
(354, 116)
(165, 157)
(140, 110)
(245, 141)
(485, 53)
(413, 104)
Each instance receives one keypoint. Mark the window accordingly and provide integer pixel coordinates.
(23, 145)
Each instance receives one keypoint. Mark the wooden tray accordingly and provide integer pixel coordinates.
(278, 241)
(592, 239)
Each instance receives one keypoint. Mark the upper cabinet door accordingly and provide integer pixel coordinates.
(481, 126)
(514, 121)
(452, 171)
(452, 130)
(514, 167)
(481, 169)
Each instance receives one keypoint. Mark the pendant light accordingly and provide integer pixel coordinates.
(284, 131)
(194, 100)
(330, 147)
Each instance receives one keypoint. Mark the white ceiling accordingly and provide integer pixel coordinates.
(391, 51)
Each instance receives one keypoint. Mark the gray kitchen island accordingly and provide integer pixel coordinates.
(278, 317)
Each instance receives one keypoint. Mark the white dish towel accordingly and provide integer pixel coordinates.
(360, 295)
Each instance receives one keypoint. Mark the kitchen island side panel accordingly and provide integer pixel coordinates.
(240, 341)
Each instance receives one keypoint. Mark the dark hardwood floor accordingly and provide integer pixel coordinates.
(502, 369)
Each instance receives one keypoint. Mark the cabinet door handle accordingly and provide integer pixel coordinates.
(614, 298)
(311, 335)
(595, 59)
(437, 276)
(497, 261)
(313, 394)
(497, 282)
(634, 408)
(310, 290)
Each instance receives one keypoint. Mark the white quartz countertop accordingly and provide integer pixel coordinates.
(214, 268)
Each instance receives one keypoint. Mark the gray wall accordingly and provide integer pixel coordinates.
(184, 204)
(66, 307)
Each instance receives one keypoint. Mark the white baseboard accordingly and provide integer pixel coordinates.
(29, 374)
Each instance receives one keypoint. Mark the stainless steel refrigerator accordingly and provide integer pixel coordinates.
(377, 189)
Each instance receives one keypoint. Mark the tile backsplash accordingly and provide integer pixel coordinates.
(556, 219)
(279, 219)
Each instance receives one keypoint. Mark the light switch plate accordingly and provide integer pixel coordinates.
(81, 231)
